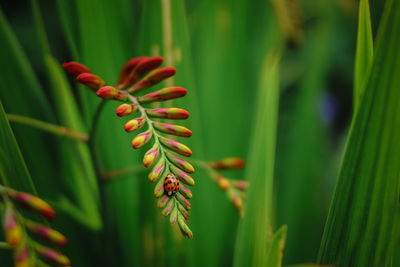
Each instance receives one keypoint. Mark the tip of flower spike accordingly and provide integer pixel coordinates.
(143, 66)
(128, 67)
(107, 92)
(75, 68)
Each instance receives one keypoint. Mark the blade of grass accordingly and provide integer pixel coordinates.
(106, 39)
(13, 170)
(19, 88)
(275, 253)
(253, 241)
(364, 51)
(303, 144)
(362, 228)
(79, 174)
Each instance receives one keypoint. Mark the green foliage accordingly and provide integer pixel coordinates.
(364, 51)
(253, 242)
(363, 224)
(13, 170)
(268, 81)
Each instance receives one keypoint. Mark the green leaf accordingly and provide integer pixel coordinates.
(13, 170)
(275, 254)
(78, 173)
(364, 52)
(362, 228)
(253, 241)
(19, 89)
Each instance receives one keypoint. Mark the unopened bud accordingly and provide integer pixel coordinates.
(125, 109)
(92, 81)
(181, 163)
(176, 146)
(75, 68)
(228, 163)
(172, 129)
(32, 202)
(141, 139)
(163, 94)
(168, 113)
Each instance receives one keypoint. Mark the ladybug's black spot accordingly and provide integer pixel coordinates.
(169, 182)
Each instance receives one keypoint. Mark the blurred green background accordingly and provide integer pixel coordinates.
(218, 50)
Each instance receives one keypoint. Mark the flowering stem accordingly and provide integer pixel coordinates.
(48, 127)
(151, 128)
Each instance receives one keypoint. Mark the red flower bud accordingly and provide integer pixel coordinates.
(107, 92)
(168, 113)
(75, 68)
(92, 81)
(125, 109)
(153, 78)
(46, 233)
(32, 202)
(134, 124)
(172, 129)
(143, 66)
(163, 94)
(128, 67)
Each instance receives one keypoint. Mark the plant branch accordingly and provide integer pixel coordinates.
(48, 127)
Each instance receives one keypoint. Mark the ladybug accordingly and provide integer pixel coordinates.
(171, 184)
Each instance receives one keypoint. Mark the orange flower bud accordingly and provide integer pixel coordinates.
(125, 109)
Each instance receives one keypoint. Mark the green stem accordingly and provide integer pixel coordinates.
(48, 127)
(167, 36)
(4, 245)
(113, 174)
(95, 120)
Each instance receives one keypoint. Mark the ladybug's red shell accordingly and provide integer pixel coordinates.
(171, 184)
